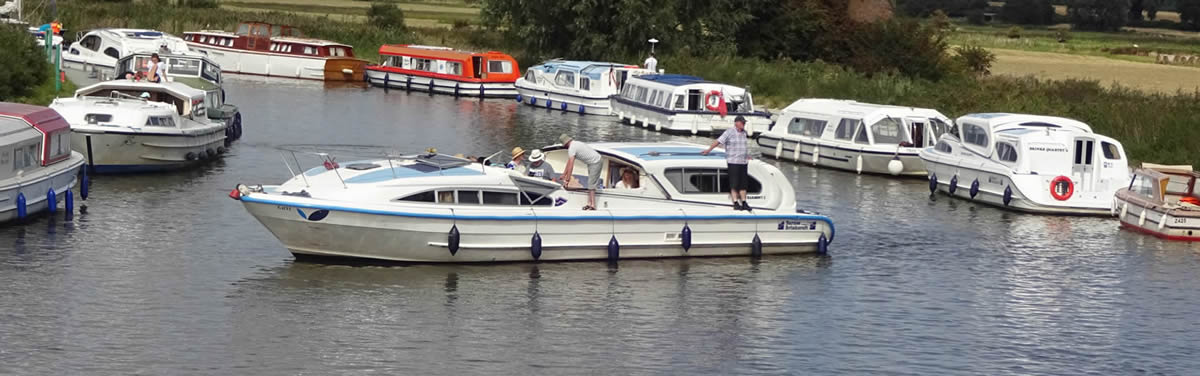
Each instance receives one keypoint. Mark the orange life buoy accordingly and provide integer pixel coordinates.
(717, 105)
(1067, 191)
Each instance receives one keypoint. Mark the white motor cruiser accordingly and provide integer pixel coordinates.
(1037, 164)
(438, 208)
(98, 50)
(38, 168)
(674, 103)
(195, 70)
(854, 136)
(131, 126)
(575, 86)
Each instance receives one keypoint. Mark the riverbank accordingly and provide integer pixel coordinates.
(44, 93)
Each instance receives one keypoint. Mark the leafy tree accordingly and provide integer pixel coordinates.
(922, 8)
(1189, 13)
(1031, 12)
(1100, 15)
(386, 15)
(1135, 9)
(25, 65)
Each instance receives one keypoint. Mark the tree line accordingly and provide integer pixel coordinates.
(1099, 15)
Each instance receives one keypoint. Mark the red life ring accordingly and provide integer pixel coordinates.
(717, 106)
(1067, 192)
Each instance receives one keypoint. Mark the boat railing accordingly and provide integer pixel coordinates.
(328, 156)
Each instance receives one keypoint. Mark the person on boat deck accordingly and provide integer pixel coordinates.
(651, 63)
(157, 70)
(629, 180)
(538, 166)
(584, 153)
(518, 160)
(737, 157)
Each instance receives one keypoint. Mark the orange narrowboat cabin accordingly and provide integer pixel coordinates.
(445, 71)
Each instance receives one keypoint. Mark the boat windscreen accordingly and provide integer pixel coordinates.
(1040, 124)
(534, 189)
(440, 161)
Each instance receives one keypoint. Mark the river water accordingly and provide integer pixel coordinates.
(166, 275)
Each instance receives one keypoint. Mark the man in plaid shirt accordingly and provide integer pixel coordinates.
(736, 156)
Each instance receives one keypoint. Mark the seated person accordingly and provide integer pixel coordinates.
(538, 166)
(518, 160)
(629, 180)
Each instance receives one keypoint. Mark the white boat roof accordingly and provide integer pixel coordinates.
(652, 155)
(680, 80)
(174, 88)
(308, 41)
(868, 112)
(591, 69)
(1007, 121)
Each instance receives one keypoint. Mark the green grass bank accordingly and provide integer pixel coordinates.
(1153, 127)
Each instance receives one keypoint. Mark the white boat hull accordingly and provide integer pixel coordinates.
(1027, 193)
(408, 82)
(405, 235)
(564, 102)
(35, 185)
(1155, 221)
(123, 151)
(264, 64)
(860, 159)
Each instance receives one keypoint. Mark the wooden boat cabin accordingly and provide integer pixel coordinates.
(279, 39)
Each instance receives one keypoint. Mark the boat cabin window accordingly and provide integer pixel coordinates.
(845, 129)
(705, 180)
(423, 64)
(564, 79)
(944, 147)
(500, 66)
(641, 94)
(679, 102)
(1083, 151)
(473, 197)
(25, 156)
(939, 127)
(531, 76)
(454, 68)
(112, 52)
(310, 50)
(1006, 152)
(585, 83)
(888, 131)
(160, 121)
(807, 127)
(1143, 185)
(211, 72)
(261, 30)
(97, 118)
(653, 97)
(861, 137)
(1110, 150)
(975, 135)
(91, 42)
(662, 99)
(693, 100)
(60, 144)
(243, 29)
(275, 31)
(183, 67)
(427, 196)
(499, 198)
(468, 197)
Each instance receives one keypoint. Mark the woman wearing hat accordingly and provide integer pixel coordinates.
(518, 160)
(538, 166)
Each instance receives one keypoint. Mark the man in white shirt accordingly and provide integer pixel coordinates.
(584, 153)
(651, 63)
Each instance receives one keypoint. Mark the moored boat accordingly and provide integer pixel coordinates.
(128, 126)
(264, 49)
(1162, 201)
(194, 70)
(445, 70)
(575, 86)
(674, 103)
(854, 136)
(1037, 164)
(39, 167)
(438, 208)
(97, 51)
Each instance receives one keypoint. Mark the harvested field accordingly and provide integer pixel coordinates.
(1143, 76)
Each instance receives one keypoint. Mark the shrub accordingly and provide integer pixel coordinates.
(976, 17)
(976, 60)
(386, 15)
(1099, 15)
(1030, 12)
(25, 66)
(1014, 32)
(199, 4)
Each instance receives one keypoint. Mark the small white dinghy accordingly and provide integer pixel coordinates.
(1036, 164)
(438, 208)
(1163, 201)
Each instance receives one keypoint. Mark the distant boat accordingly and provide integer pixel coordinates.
(36, 148)
(1163, 201)
(438, 208)
(675, 103)
(98, 50)
(575, 86)
(445, 70)
(279, 51)
(1036, 164)
(126, 126)
(853, 136)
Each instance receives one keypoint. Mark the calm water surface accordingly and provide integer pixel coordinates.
(166, 275)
